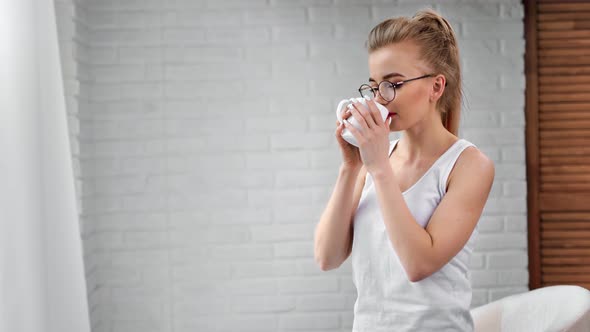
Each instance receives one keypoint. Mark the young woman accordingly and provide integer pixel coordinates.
(406, 211)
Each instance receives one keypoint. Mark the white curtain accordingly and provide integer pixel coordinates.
(42, 285)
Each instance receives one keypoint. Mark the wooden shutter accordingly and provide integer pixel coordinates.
(558, 141)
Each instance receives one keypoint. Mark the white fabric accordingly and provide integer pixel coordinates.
(387, 300)
(548, 309)
(42, 285)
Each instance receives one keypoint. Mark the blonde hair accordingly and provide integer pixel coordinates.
(438, 43)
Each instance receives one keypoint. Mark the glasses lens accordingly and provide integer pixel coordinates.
(387, 91)
(366, 91)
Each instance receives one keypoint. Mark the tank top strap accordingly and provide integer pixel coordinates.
(448, 162)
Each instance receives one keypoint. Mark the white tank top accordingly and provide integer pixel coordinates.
(387, 300)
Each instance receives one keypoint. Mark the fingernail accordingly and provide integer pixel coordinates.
(350, 106)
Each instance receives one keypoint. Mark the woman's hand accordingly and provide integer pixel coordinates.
(373, 137)
(351, 157)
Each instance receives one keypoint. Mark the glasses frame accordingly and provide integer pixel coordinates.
(393, 85)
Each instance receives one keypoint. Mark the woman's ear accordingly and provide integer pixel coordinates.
(438, 88)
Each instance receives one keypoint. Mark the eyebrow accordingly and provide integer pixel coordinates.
(388, 76)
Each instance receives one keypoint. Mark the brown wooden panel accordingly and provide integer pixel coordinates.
(571, 16)
(564, 124)
(551, 143)
(566, 252)
(564, 169)
(562, 43)
(574, 34)
(566, 243)
(559, 216)
(559, 228)
(565, 134)
(560, 116)
(566, 151)
(564, 202)
(561, 278)
(564, 97)
(565, 52)
(561, 187)
(563, 6)
(565, 225)
(572, 70)
(564, 88)
(565, 25)
(565, 234)
(564, 107)
(581, 177)
(550, 61)
(561, 160)
(566, 269)
(553, 80)
(565, 260)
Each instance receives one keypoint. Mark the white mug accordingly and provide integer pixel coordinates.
(343, 104)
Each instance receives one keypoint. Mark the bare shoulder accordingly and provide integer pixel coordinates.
(472, 164)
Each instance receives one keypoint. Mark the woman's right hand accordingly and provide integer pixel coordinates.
(351, 156)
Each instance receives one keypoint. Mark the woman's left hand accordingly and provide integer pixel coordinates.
(373, 137)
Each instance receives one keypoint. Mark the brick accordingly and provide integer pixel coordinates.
(512, 259)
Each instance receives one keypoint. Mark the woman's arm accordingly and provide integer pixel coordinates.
(333, 234)
(423, 251)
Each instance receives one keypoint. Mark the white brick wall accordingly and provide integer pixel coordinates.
(207, 153)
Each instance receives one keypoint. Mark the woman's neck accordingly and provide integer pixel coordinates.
(426, 139)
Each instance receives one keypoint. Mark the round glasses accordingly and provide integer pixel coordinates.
(386, 89)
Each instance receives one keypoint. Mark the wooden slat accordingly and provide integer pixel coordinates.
(564, 97)
(562, 160)
(566, 169)
(550, 61)
(563, 202)
(564, 107)
(564, 234)
(574, 34)
(566, 269)
(563, 7)
(561, 187)
(573, 70)
(565, 51)
(566, 252)
(553, 80)
(571, 16)
(566, 243)
(566, 225)
(575, 124)
(565, 88)
(565, 260)
(582, 177)
(558, 216)
(584, 151)
(561, 278)
(552, 143)
(562, 43)
(560, 116)
(564, 25)
(565, 134)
